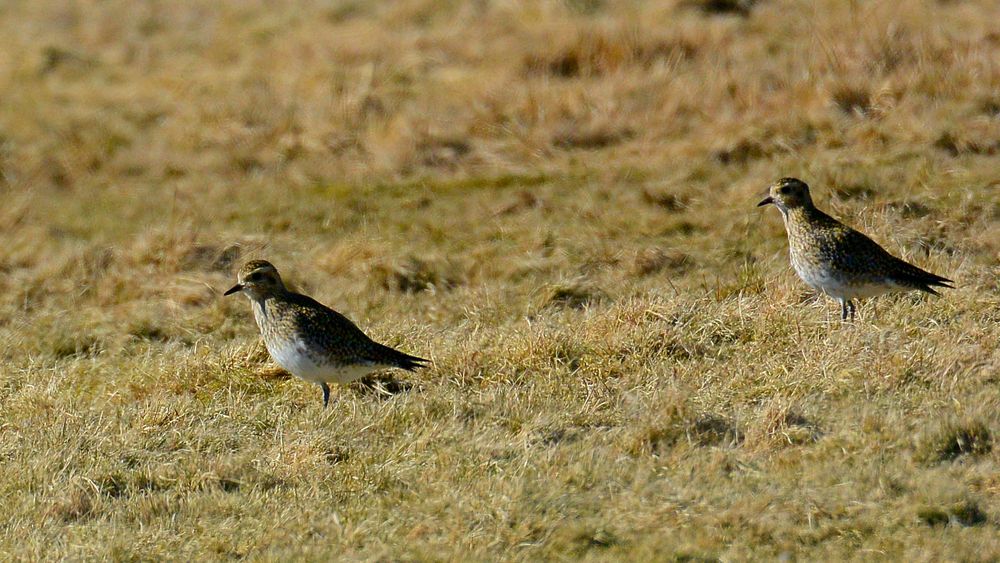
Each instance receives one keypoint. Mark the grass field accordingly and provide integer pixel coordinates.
(554, 201)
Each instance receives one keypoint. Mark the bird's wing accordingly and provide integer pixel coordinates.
(866, 251)
(344, 338)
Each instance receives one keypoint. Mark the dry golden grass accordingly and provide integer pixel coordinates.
(555, 202)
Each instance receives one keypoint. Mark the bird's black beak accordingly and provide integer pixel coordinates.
(766, 201)
(236, 288)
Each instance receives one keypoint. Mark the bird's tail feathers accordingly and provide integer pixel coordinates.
(392, 357)
(410, 363)
(924, 280)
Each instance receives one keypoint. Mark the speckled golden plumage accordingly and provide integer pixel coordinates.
(836, 259)
(309, 339)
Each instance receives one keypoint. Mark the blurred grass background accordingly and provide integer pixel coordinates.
(555, 202)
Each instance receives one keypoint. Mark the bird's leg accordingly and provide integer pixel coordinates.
(326, 393)
(843, 309)
(850, 304)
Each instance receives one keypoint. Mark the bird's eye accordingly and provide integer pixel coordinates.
(254, 277)
(784, 190)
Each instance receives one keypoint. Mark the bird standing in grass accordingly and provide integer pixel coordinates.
(837, 260)
(309, 339)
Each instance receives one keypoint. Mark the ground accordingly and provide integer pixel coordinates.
(555, 203)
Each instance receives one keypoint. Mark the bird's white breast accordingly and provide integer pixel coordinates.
(293, 356)
(839, 288)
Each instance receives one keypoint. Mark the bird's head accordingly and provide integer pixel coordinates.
(787, 194)
(257, 279)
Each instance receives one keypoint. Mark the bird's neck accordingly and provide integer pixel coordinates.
(800, 215)
(262, 304)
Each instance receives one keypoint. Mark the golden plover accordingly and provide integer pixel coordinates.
(837, 260)
(309, 339)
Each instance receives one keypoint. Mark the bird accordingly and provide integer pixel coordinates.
(838, 260)
(307, 338)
